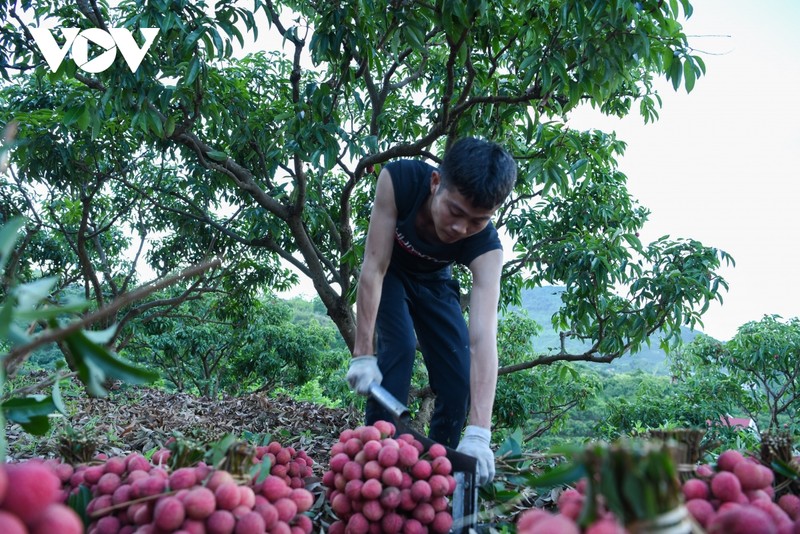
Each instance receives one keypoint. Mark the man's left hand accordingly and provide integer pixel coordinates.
(476, 442)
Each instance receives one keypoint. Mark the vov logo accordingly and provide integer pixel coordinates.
(114, 39)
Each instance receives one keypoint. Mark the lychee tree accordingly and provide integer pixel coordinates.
(276, 151)
(30, 320)
(762, 360)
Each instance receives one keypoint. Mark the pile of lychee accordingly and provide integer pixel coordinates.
(737, 496)
(130, 494)
(379, 482)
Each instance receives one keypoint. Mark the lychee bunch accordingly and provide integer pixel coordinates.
(737, 496)
(129, 494)
(31, 500)
(288, 463)
(292, 465)
(381, 482)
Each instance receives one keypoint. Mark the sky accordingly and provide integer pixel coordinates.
(722, 163)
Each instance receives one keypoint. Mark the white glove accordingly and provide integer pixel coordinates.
(363, 371)
(476, 443)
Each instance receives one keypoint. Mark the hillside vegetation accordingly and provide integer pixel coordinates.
(542, 303)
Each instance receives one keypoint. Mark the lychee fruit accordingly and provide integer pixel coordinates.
(726, 486)
(168, 513)
(790, 504)
(302, 498)
(11, 524)
(59, 518)
(728, 459)
(227, 495)
(701, 510)
(392, 523)
(183, 477)
(220, 522)
(250, 523)
(694, 488)
(552, 524)
(286, 508)
(32, 486)
(605, 526)
(421, 470)
(442, 522)
(199, 503)
(749, 474)
(742, 520)
(704, 471)
(436, 450)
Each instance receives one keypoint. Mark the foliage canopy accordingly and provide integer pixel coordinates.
(268, 158)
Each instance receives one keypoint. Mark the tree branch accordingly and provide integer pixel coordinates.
(50, 336)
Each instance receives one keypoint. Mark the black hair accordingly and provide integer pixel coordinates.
(482, 171)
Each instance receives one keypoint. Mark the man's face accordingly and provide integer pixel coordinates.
(454, 217)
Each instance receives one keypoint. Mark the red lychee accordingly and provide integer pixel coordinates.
(57, 518)
(370, 433)
(199, 503)
(220, 522)
(726, 486)
(701, 510)
(32, 486)
(183, 477)
(436, 450)
(790, 504)
(552, 524)
(749, 474)
(11, 524)
(250, 523)
(694, 488)
(168, 513)
(741, 520)
(728, 459)
(605, 526)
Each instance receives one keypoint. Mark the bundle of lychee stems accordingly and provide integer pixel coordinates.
(633, 478)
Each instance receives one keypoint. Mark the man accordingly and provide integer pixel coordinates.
(423, 220)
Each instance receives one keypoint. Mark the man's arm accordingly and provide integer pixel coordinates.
(486, 270)
(378, 253)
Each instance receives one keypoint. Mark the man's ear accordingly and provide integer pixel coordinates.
(436, 181)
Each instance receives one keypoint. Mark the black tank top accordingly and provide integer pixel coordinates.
(411, 180)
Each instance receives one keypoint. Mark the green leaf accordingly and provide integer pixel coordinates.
(218, 155)
(8, 238)
(58, 401)
(84, 118)
(31, 294)
(511, 447)
(78, 501)
(265, 466)
(96, 364)
(101, 337)
(784, 469)
(219, 451)
(51, 312)
(689, 74)
(194, 70)
(565, 473)
(30, 412)
(675, 73)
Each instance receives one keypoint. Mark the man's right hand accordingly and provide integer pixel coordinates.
(363, 371)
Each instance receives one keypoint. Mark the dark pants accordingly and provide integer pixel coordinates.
(429, 306)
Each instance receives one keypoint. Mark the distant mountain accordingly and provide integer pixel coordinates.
(542, 302)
